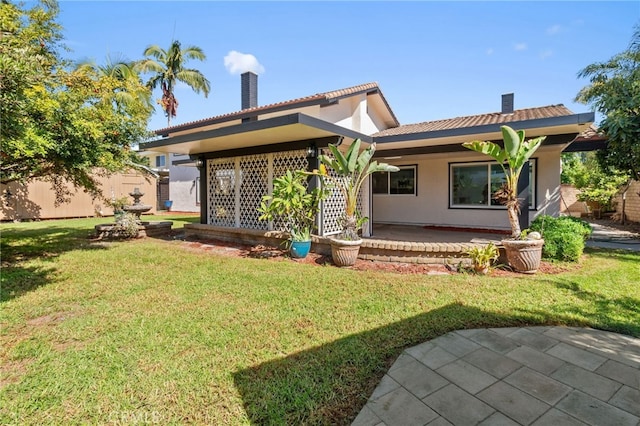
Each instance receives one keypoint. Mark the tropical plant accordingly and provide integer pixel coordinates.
(351, 170)
(482, 257)
(614, 91)
(294, 203)
(511, 158)
(168, 67)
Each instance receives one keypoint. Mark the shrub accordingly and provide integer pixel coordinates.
(127, 227)
(564, 236)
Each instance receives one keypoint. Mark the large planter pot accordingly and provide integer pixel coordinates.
(299, 249)
(524, 255)
(345, 252)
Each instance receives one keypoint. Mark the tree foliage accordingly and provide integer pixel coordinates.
(168, 68)
(595, 183)
(614, 90)
(59, 123)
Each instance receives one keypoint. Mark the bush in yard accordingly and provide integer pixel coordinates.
(564, 237)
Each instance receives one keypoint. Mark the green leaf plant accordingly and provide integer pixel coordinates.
(511, 158)
(292, 201)
(350, 172)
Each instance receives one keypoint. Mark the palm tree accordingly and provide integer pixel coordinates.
(168, 67)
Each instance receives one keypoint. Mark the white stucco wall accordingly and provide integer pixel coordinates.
(183, 188)
(431, 205)
(353, 113)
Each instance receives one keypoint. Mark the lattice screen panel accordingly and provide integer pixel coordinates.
(254, 183)
(333, 209)
(283, 161)
(222, 196)
(236, 186)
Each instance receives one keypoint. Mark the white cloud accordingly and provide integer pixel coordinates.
(554, 29)
(239, 63)
(490, 51)
(546, 53)
(520, 46)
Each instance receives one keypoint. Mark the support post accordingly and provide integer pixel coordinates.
(204, 185)
(313, 163)
(523, 195)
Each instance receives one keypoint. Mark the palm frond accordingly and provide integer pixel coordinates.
(194, 79)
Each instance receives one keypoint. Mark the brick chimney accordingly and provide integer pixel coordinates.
(249, 93)
(507, 103)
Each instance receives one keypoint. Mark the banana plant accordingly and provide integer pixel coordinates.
(511, 158)
(351, 170)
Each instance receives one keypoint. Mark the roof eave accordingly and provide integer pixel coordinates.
(574, 119)
(311, 124)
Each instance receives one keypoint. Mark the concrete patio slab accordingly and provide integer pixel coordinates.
(518, 376)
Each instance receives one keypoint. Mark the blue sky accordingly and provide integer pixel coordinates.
(432, 60)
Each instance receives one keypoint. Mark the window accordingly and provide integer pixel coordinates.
(402, 182)
(160, 161)
(472, 184)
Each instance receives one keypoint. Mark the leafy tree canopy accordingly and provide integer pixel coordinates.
(59, 123)
(614, 90)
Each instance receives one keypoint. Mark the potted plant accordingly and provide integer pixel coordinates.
(523, 250)
(292, 202)
(351, 170)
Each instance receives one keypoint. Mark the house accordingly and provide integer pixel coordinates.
(440, 183)
(178, 186)
(159, 163)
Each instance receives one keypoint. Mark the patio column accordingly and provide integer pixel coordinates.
(523, 194)
(313, 163)
(204, 184)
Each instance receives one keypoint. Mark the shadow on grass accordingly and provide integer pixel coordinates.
(19, 246)
(331, 383)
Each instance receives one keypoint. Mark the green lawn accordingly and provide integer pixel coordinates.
(149, 331)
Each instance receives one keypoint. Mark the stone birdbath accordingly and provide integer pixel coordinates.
(145, 228)
(137, 208)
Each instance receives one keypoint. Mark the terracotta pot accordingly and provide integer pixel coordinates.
(345, 252)
(524, 255)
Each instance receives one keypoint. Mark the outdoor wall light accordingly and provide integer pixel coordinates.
(312, 151)
(199, 163)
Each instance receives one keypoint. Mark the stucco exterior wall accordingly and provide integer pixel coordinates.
(353, 113)
(37, 201)
(431, 205)
(183, 188)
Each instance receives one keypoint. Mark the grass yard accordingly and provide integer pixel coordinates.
(149, 331)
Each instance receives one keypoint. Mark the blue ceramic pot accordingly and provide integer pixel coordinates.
(299, 249)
